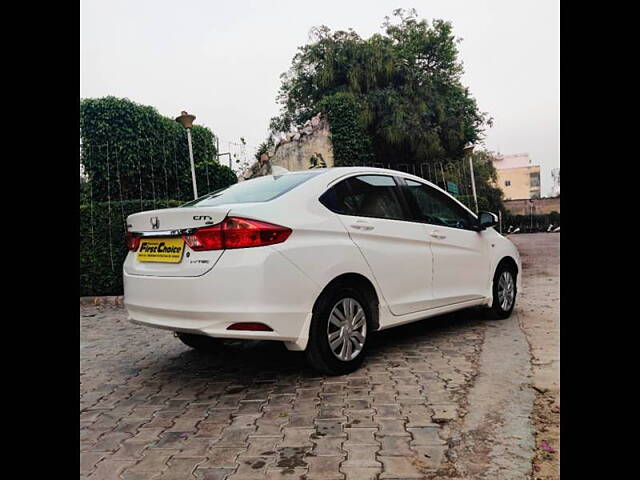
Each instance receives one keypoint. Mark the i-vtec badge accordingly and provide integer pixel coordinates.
(206, 218)
(155, 223)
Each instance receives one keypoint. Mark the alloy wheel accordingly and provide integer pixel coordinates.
(506, 290)
(347, 329)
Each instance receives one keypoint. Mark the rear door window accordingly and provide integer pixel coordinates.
(365, 196)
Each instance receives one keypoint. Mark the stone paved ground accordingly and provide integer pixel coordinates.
(151, 408)
(539, 314)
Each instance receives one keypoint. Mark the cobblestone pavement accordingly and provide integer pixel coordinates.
(151, 408)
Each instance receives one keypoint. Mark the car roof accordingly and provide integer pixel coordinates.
(338, 172)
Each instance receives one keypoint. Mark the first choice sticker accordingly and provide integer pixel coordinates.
(165, 250)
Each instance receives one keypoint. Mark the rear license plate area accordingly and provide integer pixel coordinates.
(161, 250)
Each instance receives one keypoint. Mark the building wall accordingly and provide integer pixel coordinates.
(516, 183)
(296, 153)
(540, 206)
(512, 161)
(515, 176)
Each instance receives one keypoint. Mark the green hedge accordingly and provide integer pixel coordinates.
(139, 160)
(130, 151)
(531, 223)
(102, 246)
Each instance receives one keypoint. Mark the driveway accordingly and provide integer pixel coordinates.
(449, 397)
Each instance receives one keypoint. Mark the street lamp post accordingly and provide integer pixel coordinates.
(531, 214)
(468, 150)
(186, 121)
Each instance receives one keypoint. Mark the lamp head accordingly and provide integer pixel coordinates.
(185, 119)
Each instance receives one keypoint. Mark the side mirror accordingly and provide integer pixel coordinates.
(486, 220)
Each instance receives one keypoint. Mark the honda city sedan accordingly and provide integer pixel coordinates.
(317, 259)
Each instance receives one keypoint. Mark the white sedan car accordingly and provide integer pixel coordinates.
(318, 259)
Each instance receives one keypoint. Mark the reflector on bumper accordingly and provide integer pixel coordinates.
(252, 326)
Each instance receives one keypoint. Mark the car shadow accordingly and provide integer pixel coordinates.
(262, 361)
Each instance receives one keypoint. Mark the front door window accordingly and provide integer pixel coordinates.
(431, 206)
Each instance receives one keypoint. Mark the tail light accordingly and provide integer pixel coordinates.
(133, 241)
(206, 238)
(236, 232)
(243, 233)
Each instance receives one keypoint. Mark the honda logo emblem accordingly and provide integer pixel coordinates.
(155, 223)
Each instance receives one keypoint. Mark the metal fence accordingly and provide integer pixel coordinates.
(118, 179)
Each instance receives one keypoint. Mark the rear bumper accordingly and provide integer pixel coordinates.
(246, 285)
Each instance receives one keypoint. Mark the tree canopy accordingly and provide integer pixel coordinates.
(404, 85)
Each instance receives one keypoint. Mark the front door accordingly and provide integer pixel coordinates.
(460, 253)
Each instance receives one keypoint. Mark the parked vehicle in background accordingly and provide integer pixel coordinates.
(317, 259)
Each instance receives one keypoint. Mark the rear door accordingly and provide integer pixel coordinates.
(460, 253)
(397, 250)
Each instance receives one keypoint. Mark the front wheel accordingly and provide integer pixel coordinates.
(504, 292)
(338, 331)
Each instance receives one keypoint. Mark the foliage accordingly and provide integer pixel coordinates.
(554, 217)
(85, 191)
(531, 223)
(134, 160)
(351, 144)
(102, 246)
(483, 203)
(490, 197)
(215, 176)
(264, 147)
(130, 151)
(406, 83)
(486, 178)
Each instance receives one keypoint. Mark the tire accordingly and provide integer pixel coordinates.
(353, 335)
(202, 343)
(501, 306)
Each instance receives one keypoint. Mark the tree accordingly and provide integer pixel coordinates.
(404, 86)
(490, 196)
(486, 178)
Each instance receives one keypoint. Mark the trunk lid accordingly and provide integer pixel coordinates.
(157, 226)
(175, 218)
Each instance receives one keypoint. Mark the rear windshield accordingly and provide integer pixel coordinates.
(260, 189)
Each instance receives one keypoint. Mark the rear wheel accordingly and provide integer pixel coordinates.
(338, 331)
(504, 292)
(201, 343)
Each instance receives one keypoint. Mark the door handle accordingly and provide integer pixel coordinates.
(437, 234)
(361, 227)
